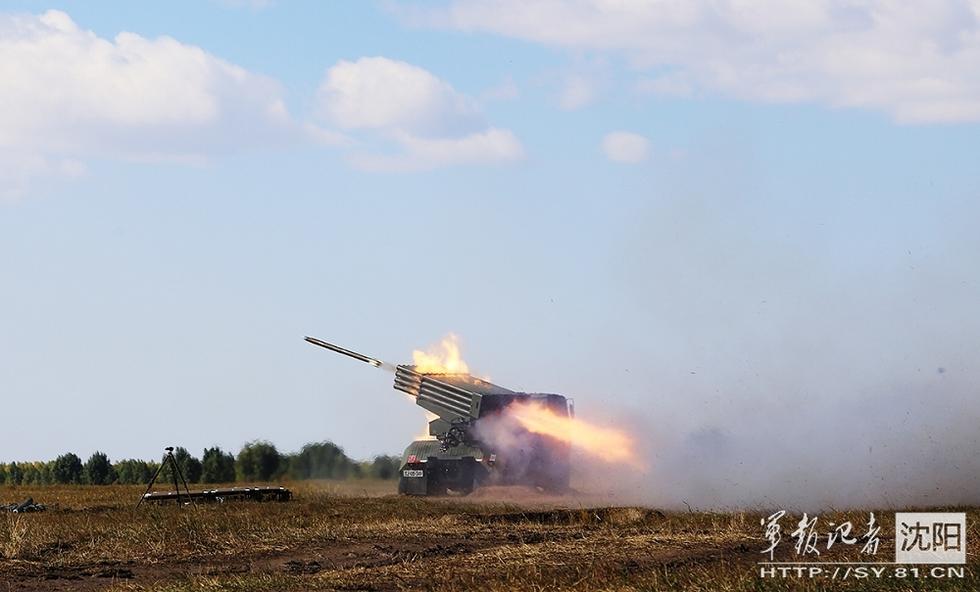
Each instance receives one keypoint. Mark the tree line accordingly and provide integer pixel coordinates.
(256, 461)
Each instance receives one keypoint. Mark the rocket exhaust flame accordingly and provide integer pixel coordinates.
(607, 444)
(442, 359)
(604, 443)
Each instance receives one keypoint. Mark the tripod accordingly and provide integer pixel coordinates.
(174, 472)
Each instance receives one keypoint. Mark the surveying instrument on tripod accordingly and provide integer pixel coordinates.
(175, 472)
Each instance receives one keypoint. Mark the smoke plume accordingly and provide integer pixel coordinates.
(806, 350)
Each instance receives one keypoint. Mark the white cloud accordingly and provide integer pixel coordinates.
(393, 103)
(489, 147)
(18, 169)
(377, 92)
(625, 147)
(917, 63)
(578, 91)
(507, 90)
(69, 94)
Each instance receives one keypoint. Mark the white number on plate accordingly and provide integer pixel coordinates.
(412, 473)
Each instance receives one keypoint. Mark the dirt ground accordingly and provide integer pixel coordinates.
(361, 536)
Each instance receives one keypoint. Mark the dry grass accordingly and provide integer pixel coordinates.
(359, 535)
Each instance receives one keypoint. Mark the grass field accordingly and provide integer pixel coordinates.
(360, 536)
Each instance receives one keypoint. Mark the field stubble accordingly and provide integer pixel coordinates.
(360, 536)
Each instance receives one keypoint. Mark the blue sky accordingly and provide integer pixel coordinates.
(684, 219)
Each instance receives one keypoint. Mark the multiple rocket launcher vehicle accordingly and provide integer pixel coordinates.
(474, 442)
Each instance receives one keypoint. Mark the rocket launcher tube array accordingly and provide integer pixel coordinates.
(446, 400)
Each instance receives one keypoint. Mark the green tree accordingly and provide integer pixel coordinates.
(133, 472)
(188, 464)
(15, 475)
(48, 470)
(384, 467)
(67, 468)
(217, 466)
(320, 460)
(31, 475)
(152, 466)
(3, 474)
(257, 460)
(98, 470)
(38, 473)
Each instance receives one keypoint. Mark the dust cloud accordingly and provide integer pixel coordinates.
(808, 350)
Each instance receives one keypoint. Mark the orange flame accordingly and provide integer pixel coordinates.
(442, 359)
(608, 444)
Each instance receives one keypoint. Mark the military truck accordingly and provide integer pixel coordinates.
(474, 442)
